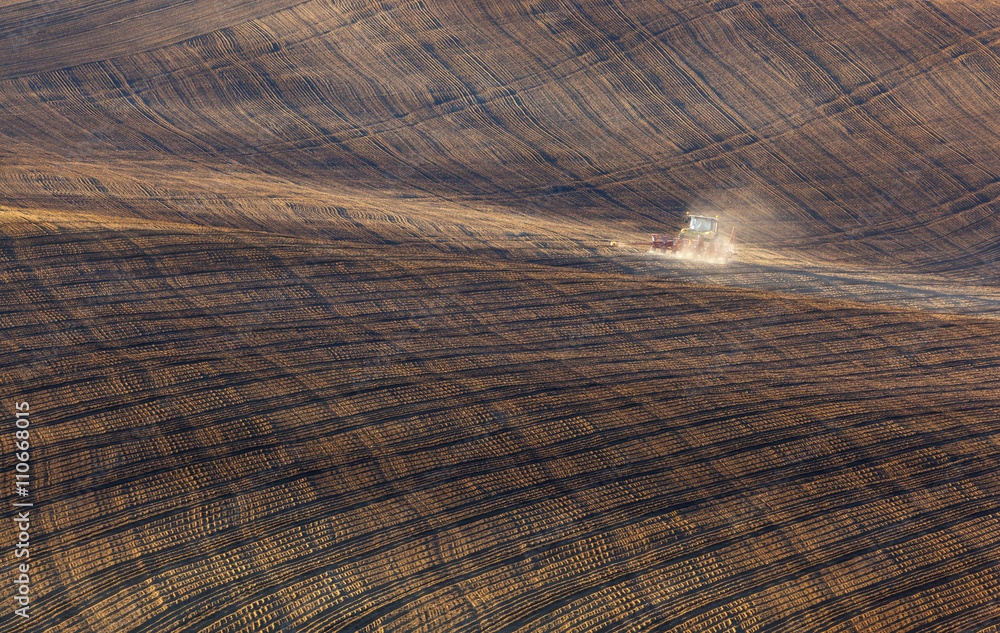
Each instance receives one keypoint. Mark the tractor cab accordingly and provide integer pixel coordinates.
(700, 227)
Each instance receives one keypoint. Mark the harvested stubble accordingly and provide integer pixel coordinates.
(853, 129)
(221, 450)
(306, 301)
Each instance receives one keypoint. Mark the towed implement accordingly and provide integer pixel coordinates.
(699, 239)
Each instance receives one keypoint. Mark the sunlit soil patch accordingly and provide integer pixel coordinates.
(768, 270)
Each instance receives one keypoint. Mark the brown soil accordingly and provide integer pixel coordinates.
(321, 330)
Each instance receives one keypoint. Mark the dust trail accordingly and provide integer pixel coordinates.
(771, 271)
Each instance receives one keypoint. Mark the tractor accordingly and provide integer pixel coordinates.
(699, 239)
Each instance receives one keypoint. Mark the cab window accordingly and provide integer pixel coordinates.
(701, 224)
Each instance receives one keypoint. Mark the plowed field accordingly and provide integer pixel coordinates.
(316, 311)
